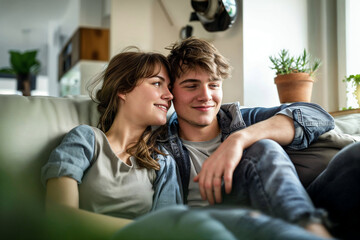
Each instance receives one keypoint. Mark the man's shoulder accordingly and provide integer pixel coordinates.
(231, 105)
(230, 109)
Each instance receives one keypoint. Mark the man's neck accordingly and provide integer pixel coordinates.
(198, 133)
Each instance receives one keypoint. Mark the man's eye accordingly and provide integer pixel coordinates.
(190, 86)
(157, 84)
(215, 85)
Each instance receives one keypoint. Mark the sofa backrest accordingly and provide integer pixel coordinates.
(30, 127)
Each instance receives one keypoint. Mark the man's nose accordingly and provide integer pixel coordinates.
(204, 94)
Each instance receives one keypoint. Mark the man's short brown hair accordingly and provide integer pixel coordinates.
(194, 52)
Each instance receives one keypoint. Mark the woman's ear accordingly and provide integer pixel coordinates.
(122, 96)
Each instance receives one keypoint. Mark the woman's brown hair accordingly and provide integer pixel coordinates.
(123, 73)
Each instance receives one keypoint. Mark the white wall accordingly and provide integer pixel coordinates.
(131, 24)
(353, 37)
(269, 26)
(91, 12)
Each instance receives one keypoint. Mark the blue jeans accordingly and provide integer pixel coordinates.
(266, 179)
(337, 190)
(181, 222)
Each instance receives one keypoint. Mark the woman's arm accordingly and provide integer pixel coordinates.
(62, 197)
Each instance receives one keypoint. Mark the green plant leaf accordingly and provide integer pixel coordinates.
(24, 63)
(285, 64)
(353, 79)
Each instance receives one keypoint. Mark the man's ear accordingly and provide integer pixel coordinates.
(122, 96)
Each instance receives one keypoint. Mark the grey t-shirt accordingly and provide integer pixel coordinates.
(198, 152)
(107, 185)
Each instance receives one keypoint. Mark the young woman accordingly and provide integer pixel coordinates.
(111, 169)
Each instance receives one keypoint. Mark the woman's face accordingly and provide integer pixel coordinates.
(149, 102)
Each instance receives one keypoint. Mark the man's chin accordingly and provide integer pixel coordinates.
(201, 124)
(195, 122)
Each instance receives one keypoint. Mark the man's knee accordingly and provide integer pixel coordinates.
(265, 147)
(266, 155)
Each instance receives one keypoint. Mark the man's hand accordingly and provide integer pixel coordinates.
(221, 164)
(224, 160)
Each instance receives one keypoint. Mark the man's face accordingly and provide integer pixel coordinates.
(197, 99)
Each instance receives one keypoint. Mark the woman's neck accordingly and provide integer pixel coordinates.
(122, 134)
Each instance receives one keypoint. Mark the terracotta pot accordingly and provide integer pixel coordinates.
(294, 87)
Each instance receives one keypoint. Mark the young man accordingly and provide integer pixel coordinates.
(253, 166)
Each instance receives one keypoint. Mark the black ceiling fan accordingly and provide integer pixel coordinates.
(214, 15)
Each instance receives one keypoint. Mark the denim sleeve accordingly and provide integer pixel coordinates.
(310, 121)
(167, 190)
(72, 157)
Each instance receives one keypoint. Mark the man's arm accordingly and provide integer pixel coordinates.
(224, 160)
(294, 126)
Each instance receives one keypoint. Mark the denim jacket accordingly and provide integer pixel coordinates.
(310, 121)
(167, 185)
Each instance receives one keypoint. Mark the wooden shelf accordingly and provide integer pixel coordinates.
(85, 44)
(344, 112)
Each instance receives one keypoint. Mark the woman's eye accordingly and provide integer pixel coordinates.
(190, 86)
(156, 84)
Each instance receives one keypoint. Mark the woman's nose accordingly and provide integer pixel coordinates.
(167, 94)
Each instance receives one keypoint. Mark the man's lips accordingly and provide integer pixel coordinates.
(203, 108)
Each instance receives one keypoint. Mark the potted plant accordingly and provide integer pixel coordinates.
(25, 66)
(355, 81)
(294, 76)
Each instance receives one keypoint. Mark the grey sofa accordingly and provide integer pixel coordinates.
(30, 127)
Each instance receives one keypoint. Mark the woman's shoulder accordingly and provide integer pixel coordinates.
(83, 128)
(78, 134)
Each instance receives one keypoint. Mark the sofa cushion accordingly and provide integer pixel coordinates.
(310, 162)
(30, 127)
(348, 124)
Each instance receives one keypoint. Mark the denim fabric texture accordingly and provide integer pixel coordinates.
(310, 121)
(167, 185)
(181, 222)
(337, 190)
(72, 157)
(266, 180)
